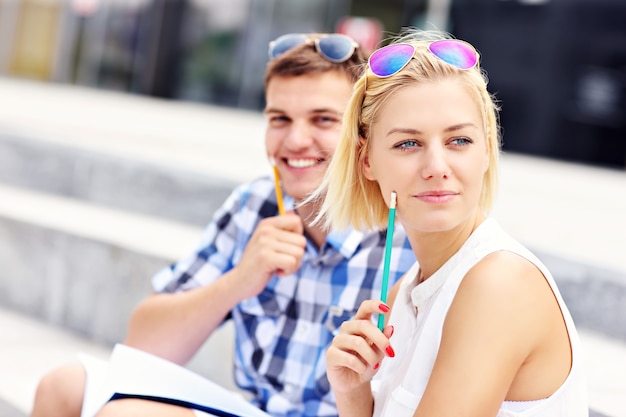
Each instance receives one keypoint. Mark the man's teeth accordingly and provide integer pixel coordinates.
(301, 163)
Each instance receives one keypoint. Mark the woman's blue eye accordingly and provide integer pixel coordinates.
(461, 141)
(407, 144)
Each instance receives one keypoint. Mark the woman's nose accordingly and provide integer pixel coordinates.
(435, 164)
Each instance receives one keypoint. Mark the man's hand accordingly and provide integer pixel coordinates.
(276, 247)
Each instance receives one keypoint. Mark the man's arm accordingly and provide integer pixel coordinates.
(174, 326)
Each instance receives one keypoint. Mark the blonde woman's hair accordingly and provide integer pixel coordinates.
(351, 199)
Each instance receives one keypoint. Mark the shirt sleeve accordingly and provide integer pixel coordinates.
(212, 257)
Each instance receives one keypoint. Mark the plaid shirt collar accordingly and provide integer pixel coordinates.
(345, 242)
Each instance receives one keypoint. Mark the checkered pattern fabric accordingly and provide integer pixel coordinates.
(282, 334)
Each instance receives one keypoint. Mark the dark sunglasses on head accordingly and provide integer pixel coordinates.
(391, 59)
(335, 47)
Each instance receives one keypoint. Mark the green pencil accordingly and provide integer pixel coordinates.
(388, 244)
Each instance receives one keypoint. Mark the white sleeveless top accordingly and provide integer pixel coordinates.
(400, 383)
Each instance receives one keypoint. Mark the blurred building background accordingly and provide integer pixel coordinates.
(558, 66)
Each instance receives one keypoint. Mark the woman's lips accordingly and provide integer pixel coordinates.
(436, 197)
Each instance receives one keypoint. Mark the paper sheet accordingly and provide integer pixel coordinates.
(134, 372)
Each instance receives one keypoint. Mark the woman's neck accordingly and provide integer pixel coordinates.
(433, 249)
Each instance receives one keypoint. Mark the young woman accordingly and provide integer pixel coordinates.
(479, 327)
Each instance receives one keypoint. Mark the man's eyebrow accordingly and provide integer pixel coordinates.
(314, 111)
(272, 110)
(326, 111)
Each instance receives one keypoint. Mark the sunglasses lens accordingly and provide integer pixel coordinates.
(457, 53)
(285, 43)
(336, 48)
(389, 60)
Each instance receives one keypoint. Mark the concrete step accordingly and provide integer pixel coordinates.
(218, 142)
(117, 181)
(80, 265)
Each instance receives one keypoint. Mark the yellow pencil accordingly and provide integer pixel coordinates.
(279, 192)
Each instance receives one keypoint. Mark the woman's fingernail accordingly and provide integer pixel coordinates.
(390, 351)
(392, 329)
(383, 307)
(376, 366)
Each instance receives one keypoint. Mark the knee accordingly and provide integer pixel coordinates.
(60, 392)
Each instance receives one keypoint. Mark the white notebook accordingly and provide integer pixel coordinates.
(132, 373)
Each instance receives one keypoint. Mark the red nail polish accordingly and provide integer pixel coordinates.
(383, 307)
(376, 366)
(390, 351)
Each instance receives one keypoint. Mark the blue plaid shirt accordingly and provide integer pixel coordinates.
(282, 334)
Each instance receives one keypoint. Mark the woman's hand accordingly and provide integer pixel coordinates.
(357, 351)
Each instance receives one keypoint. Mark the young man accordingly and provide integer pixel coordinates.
(286, 285)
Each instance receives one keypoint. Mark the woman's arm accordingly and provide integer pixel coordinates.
(500, 321)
